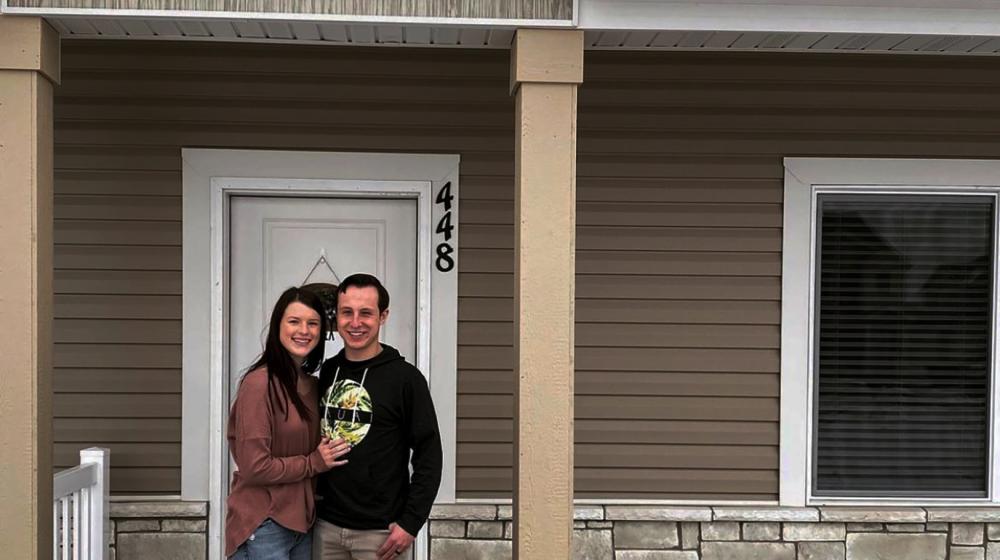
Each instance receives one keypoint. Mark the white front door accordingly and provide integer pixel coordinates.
(278, 242)
(313, 182)
(282, 241)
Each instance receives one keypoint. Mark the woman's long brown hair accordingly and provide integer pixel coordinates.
(281, 367)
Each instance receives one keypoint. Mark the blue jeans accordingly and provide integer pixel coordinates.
(271, 541)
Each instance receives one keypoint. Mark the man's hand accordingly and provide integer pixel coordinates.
(396, 544)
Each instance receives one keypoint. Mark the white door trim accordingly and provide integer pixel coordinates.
(211, 177)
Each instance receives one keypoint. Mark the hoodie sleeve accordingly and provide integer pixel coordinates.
(425, 440)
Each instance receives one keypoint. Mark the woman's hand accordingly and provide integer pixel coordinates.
(331, 450)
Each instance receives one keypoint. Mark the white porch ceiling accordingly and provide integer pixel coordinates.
(76, 27)
(360, 34)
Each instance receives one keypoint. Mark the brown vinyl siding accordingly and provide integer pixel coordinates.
(679, 232)
(679, 347)
(125, 110)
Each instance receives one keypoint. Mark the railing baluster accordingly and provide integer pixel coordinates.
(86, 538)
(55, 529)
(81, 529)
(65, 525)
(76, 525)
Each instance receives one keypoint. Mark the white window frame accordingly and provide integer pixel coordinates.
(804, 179)
(210, 178)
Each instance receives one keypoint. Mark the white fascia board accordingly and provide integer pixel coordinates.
(283, 16)
(792, 18)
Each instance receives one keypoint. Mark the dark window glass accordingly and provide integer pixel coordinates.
(903, 335)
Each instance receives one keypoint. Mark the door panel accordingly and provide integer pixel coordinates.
(278, 242)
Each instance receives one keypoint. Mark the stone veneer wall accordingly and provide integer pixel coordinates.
(178, 531)
(159, 530)
(483, 532)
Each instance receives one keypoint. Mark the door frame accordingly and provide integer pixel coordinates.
(211, 177)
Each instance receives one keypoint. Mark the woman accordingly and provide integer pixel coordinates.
(273, 435)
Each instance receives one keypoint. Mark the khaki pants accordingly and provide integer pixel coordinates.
(331, 542)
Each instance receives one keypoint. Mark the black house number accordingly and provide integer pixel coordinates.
(444, 261)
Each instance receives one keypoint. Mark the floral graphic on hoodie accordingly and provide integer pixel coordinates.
(347, 412)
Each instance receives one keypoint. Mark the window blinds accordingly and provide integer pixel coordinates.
(903, 344)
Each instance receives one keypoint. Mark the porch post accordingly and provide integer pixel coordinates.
(29, 65)
(546, 68)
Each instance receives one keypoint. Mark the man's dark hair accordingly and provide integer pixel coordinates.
(363, 281)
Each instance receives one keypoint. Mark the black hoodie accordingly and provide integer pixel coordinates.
(383, 407)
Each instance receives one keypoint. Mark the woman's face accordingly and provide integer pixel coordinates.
(299, 330)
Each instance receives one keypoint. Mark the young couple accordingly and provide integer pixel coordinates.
(346, 437)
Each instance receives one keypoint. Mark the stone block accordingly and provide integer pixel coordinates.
(822, 551)
(161, 546)
(589, 513)
(765, 514)
(963, 515)
(814, 531)
(993, 551)
(967, 553)
(138, 526)
(655, 513)
(508, 529)
(937, 527)
(967, 533)
(466, 549)
(881, 546)
(119, 510)
(873, 515)
(111, 524)
(447, 528)
(184, 526)
(690, 536)
(592, 544)
(720, 531)
(761, 531)
(600, 524)
(464, 511)
(579, 524)
(904, 527)
(747, 551)
(485, 529)
(656, 555)
(505, 512)
(993, 531)
(645, 534)
(865, 527)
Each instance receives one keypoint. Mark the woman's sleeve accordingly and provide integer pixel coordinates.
(252, 439)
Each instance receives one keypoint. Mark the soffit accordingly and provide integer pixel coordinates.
(361, 34)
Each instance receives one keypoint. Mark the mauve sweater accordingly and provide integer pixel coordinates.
(276, 459)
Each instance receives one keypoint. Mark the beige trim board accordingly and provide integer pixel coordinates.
(29, 43)
(26, 179)
(546, 68)
(542, 56)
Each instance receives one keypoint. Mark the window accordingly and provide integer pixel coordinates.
(902, 344)
(888, 328)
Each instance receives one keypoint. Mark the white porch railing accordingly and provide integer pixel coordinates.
(81, 529)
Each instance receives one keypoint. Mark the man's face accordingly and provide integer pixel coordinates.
(358, 320)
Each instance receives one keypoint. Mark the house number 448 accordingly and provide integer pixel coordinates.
(444, 261)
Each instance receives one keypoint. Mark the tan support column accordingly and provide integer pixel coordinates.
(547, 67)
(29, 65)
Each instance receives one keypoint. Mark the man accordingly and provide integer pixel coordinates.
(372, 507)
